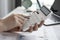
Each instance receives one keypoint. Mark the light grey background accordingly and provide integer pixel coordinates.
(6, 6)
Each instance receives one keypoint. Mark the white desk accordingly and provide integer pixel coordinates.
(56, 28)
(43, 33)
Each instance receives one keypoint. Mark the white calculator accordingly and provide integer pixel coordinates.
(36, 17)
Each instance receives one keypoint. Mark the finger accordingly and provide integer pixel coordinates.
(35, 27)
(23, 16)
(30, 29)
(41, 23)
(14, 29)
(19, 20)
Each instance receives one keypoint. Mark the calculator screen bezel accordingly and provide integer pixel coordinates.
(45, 10)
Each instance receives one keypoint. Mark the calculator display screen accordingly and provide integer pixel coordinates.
(45, 10)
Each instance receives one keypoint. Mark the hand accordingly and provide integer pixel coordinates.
(35, 28)
(21, 19)
(12, 21)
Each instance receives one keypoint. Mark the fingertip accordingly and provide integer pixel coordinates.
(35, 27)
(30, 29)
(41, 23)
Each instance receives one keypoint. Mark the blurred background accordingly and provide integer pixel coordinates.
(7, 6)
